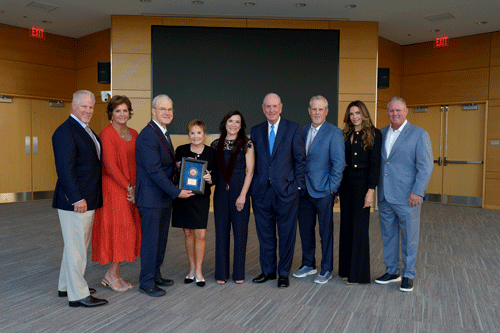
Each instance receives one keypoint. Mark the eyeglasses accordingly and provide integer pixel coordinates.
(163, 110)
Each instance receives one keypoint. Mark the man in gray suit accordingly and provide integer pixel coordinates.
(406, 168)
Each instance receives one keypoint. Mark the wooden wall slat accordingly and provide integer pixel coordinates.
(54, 50)
(453, 86)
(28, 79)
(204, 22)
(142, 113)
(357, 40)
(494, 122)
(492, 192)
(131, 71)
(463, 53)
(493, 157)
(357, 76)
(495, 49)
(390, 55)
(132, 34)
(287, 24)
(494, 91)
(86, 78)
(93, 48)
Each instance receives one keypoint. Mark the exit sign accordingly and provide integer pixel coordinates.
(442, 41)
(36, 32)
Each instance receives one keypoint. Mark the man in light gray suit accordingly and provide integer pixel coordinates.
(325, 166)
(406, 168)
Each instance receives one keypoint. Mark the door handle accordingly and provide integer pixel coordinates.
(27, 145)
(439, 161)
(447, 161)
(35, 145)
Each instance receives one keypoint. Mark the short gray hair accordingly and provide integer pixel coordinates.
(396, 99)
(279, 98)
(157, 98)
(316, 98)
(77, 96)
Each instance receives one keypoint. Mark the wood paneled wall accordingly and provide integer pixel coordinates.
(90, 50)
(390, 55)
(40, 68)
(131, 57)
(466, 71)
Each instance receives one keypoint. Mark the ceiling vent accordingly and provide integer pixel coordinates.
(43, 7)
(440, 17)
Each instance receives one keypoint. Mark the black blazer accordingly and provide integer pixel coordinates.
(78, 167)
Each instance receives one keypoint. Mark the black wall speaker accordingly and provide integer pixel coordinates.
(104, 72)
(383, 78)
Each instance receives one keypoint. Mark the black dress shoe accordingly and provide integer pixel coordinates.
(88, 302)
(65, 293)
(263, 277)
(200, 283)
(188, 279)
(153, 291)
(283, 282)
(164, 282)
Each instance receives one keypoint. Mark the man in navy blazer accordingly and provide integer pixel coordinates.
(406, 168)
(279, 175)
(154, 192)
(325, 160)
(78, 192)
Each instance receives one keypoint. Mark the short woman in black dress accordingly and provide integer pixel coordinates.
(363, 143)
(192, 213)
(236, 159)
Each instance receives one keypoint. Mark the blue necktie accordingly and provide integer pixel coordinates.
(271, 140)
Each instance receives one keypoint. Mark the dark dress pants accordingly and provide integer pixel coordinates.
(354, 244)
(309, 208)
(155, 224)
(269, 213)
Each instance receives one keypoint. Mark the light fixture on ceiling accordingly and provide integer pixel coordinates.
(435, 30)
(198, 2)
(300, 5)
(47, 22)
(350, 6)
(409, 35)
(249, 3)
(146, 1)
(481, 22)
(25, 16)
(1, 12)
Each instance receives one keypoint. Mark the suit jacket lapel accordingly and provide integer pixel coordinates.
(87, 137)
(317, 139)
(384, 136)
(400, 139)
(265, 136)
(282, 129)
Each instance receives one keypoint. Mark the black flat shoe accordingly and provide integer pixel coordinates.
(188, 279)
(65, 293)
(88, 302)
(153, 291)
(164, 282)
(283, 282)
(263, 277)
(200, 283)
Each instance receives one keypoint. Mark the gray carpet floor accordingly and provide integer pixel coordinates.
(457, 288)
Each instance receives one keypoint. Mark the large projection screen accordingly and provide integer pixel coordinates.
(209, 71)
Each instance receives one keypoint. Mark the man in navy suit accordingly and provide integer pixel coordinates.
(154, 192)
(325, 166)
(406, 168)
(279, 175)
(77, 154)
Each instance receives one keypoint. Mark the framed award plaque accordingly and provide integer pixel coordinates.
(192, 172)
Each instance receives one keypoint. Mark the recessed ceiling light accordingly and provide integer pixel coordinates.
(198, 2)
(481, 22)
(350, 6)
(25, 16)
(146, 1)
(409, 35)
(435, 30)
(249, 3)
(47, 22)
(300, 5)
(1, 12)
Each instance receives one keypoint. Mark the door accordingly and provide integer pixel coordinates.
(15, 150)
(457, 137)
(45, 120)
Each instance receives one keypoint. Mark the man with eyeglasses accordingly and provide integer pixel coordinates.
(155, 191)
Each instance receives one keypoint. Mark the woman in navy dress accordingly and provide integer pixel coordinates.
(363, 143)
(235, 157)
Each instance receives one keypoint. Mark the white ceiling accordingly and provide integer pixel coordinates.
(400, 21)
